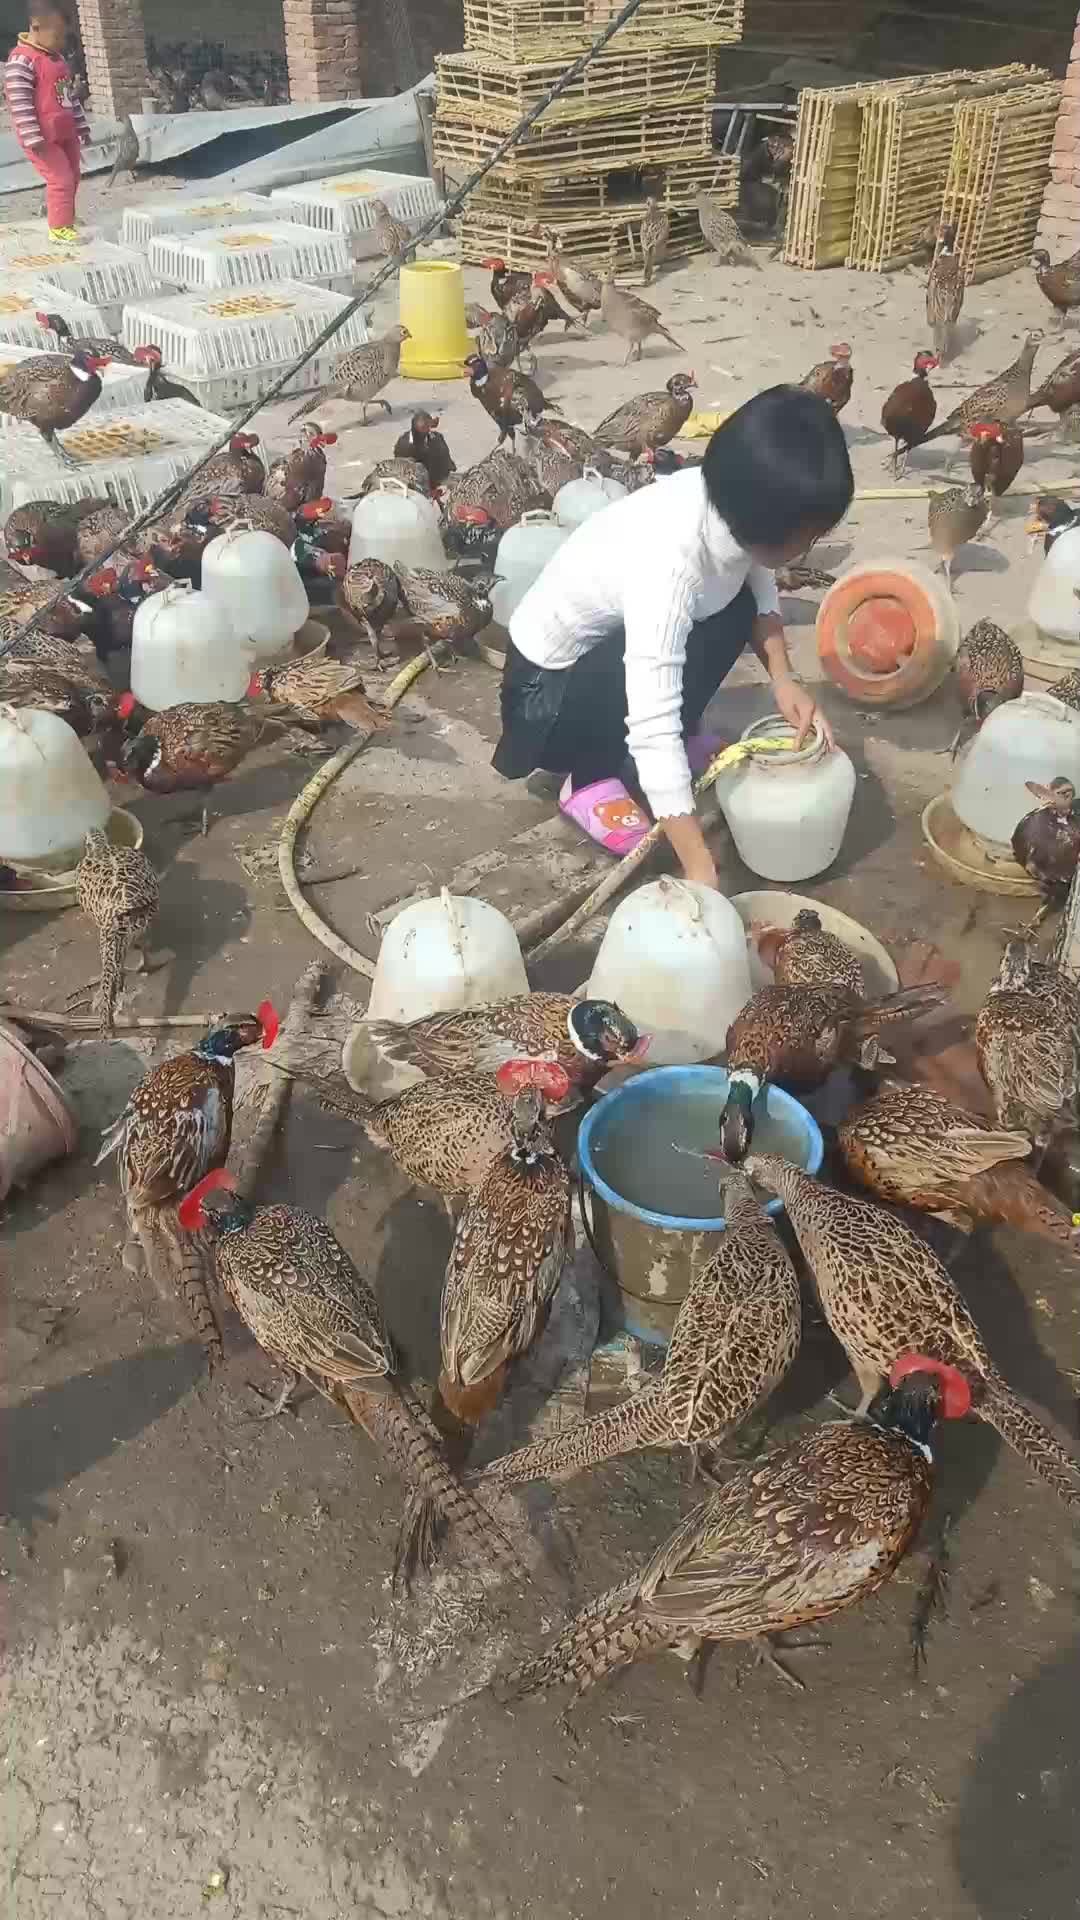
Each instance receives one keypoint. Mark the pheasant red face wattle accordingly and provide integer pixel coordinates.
(956, 1393)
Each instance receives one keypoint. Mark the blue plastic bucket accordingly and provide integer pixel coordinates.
(653, 1256)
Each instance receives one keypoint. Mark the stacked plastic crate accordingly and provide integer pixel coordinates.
(637, 121)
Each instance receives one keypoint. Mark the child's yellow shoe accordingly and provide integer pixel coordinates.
(64, 236)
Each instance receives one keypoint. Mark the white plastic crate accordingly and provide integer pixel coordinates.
(134, 454)
(341, 203)
(98, 272)
(229, 345)
(121, 387)
(21, 300)
(246, 256)
(190, 212)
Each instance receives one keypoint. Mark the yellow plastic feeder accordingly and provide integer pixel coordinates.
(433, 309)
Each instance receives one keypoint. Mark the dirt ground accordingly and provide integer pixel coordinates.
(215, 1704)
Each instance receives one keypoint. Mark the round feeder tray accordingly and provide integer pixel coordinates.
(964, 857)
(778, 909)
(1045, 658)
(49, 891)
(887, 633)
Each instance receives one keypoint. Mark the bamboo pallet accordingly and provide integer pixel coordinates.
(906, 142)
(484, 234)
(828, 169)
(554, 203)
(480, 89)
(609, 143)
(998, 171)
(522, 30)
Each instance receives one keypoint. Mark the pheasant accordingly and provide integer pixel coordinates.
(1027, 1042)
(584, 1037)
(649, 420)
(1061, 388)
(299, 478)
(443, 1133)
(127, 152)
(445, 607)
(832, 379)
(912, 1147)
(191, 747)
(945, 293)
(1003, 399)
(311, 1311)
(634, 320)
(1059, 284)
(175, 1128)
(318, 688)
(989, 670)
(362, 375)
(806, 956)
(1046, 843)
(508, 397)
(580, 286)
(996, 456)
(425, 444)
(884, 1292)
(787, 1540)
(369, 596)
(51, 392)
(158, 385)
(655, 234)
(909, 411)
(736, 1335)
(117, 888)
(721, 233)
(953, 518)
(392, 237)
(796, 1035)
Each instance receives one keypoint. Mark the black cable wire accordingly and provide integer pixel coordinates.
(457, 200)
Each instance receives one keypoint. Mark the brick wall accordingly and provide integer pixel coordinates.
(1059, 228)
(322, 46)
(115, 48)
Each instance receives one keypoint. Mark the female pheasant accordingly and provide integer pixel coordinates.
(735, 1337)
(118, 889)
(884, 1292)
(298, 1292)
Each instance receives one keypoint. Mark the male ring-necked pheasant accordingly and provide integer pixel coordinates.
(584, 1037)
(311, 1311)
(118, 889)
(913, 1147)
(796, 1035)
(884, 1292)
(735, 1337)
(785, 1541)
(175, 1129)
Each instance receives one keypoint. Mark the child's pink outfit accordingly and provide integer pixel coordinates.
(50, 125)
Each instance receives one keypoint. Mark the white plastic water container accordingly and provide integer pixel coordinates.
(50, 795)
(1052, 603)
(1033, 738)
(440, 955)
(578, 500)
(398, 527)
(788, 811)
(521, 556)
(253, 580)
(183, 647)
(674, 958)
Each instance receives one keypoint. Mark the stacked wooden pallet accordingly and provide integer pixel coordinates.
(998, 172)
(637, 122)
(872, 162)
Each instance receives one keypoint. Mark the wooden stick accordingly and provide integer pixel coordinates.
(124, 1023)
(261, 1113)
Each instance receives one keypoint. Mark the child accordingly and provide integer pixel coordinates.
(628, 632)
(50, 125)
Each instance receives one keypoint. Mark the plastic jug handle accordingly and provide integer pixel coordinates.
(389, 483)
(591, 473)
(537, 516)
(690, 897)
(457, 939)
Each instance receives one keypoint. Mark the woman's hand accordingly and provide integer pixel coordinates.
(801, 711)
(688, 843)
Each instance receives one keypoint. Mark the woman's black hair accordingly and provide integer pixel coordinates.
(779, 466)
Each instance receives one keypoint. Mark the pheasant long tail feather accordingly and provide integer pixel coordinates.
(908, 1004)
(314, 400)
(188, 1259)
(400, 1429)
(639, 1422)
(1010, 1193)
(611, 1634)
(1027, 1436)
(669, 336)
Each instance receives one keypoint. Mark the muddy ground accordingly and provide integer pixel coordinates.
(216, 1706)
